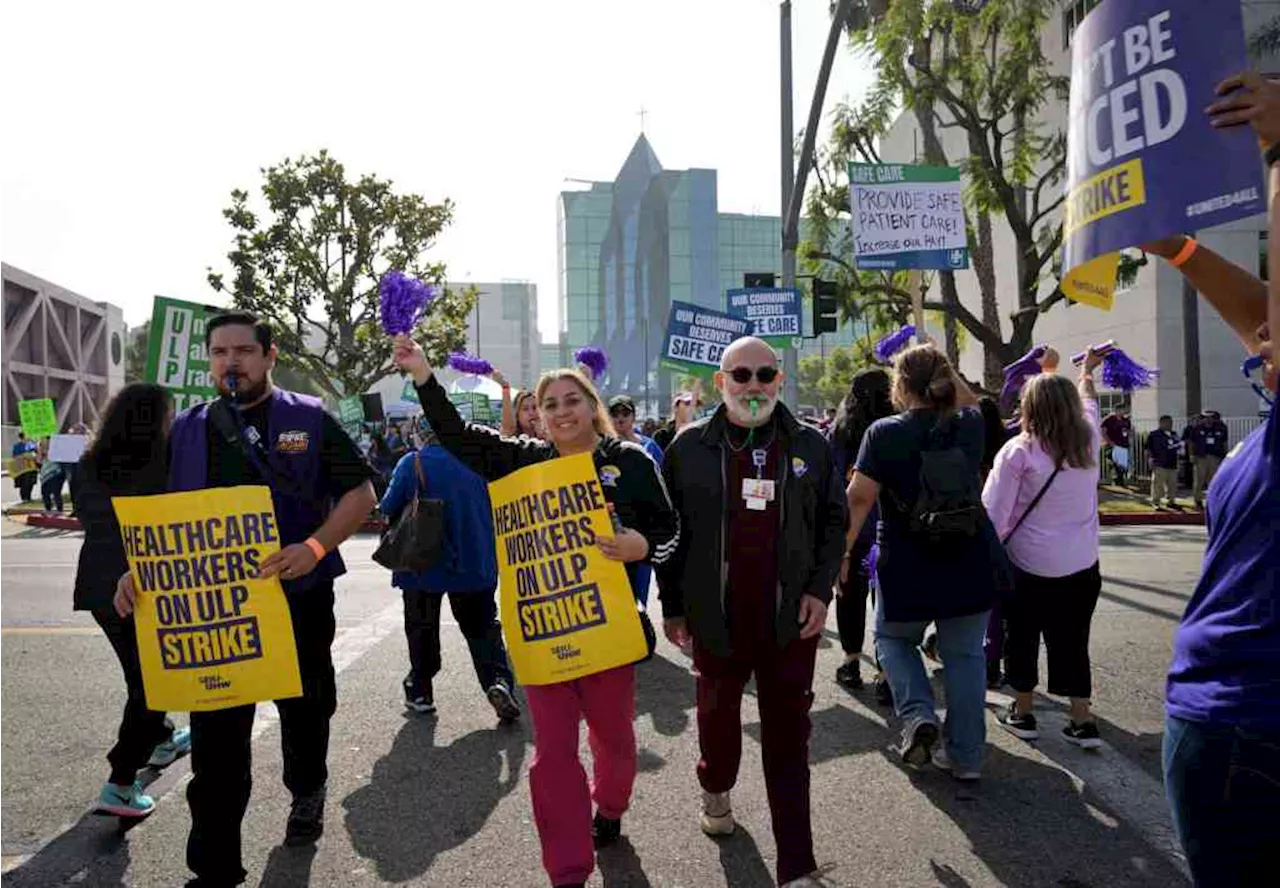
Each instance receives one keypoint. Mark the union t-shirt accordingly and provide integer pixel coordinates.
(1226, 652)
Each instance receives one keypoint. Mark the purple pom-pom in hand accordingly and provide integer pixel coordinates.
(593, 359)
(890, 345)
(1119, 371)
(465, 363)
(1017, 373)
(402, 300)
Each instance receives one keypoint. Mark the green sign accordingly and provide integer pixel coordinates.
(410, 392)
(351, 410)
(176, 355)
(38, 418)
(473, 406)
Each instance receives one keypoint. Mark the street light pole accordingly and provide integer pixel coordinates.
(792, 391)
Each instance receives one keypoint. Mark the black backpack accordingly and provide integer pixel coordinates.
(949, 505)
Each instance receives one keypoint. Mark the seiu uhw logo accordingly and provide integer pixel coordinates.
(956, 258)
(214, 682)
(566, 651)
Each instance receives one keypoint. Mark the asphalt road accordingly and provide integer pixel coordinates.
(444, 800)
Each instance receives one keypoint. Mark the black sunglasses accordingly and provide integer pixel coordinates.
(742, 375)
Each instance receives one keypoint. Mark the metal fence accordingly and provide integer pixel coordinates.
(1238, 427)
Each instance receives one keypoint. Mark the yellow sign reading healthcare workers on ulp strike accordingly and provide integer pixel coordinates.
(567, 610)
(210, 635)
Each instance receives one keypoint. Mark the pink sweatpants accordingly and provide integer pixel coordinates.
(557, 781)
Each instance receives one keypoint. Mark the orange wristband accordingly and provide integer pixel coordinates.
(315, 546)
(1187, 251)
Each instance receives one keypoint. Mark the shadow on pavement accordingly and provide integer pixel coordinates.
(93, 853)
(423, 799)
(838, 731)
(741, 861)
(1032, 827)
(665, 692)
(288, 867)
(620, 866)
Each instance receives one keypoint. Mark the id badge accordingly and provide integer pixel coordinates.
(757, 488)
(756, 504)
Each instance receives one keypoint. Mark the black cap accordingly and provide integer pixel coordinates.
(622, 401)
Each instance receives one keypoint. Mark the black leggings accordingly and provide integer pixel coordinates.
(1060, 609)
(851, 610)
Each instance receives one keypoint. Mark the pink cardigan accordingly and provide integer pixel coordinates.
(1061, 536)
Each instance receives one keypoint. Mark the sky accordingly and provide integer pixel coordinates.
(127, 125)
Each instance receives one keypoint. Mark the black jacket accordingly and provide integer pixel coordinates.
(635, 489)
(102, 560)
(811, 539)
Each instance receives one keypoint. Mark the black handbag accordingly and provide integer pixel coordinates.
(415, 538)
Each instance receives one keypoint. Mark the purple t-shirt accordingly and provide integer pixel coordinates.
(1226, 652)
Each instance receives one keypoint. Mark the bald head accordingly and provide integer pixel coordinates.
(748, 381)
(749, 351)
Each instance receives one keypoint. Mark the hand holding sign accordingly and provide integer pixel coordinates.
(291, 562)
(1249, 99)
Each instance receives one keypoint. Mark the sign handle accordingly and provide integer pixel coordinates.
(917, 303)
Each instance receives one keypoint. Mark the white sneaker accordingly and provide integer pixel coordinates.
(717, 814)
(942, 762)
(918, 738)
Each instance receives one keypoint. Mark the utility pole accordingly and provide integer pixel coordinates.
(791, 362)
(793, 179)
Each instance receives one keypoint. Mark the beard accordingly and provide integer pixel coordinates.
(739, 410)
(247, 391)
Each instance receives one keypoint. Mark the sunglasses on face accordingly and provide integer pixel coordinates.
(742, 375)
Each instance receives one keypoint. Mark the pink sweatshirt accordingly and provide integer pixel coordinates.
(1061, 536)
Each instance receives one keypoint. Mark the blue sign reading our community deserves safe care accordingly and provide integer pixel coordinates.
(1143, 161)
(774, 312)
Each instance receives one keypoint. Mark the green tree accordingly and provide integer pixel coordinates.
(978, 69)
(135, 354)
(311, 264)
(825, 382)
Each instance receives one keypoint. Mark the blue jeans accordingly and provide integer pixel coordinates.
(1223, 786)
(964, 675)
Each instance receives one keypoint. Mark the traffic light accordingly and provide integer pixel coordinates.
(756, 280)
(826, 312)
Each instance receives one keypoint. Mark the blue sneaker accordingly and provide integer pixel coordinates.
(168, 752)
(124, 801)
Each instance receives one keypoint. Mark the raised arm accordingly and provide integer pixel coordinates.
(482, 450)
(508, 425)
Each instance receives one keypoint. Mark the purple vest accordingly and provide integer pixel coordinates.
(295, 460)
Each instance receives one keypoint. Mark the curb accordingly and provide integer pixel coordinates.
(1138, 519)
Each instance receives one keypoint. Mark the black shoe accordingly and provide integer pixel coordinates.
(884, 694)
(423, 702)
(1021, 726)
(605, 832)
(306, 819)
(1083, 735)
(503, 703)
(849, 676)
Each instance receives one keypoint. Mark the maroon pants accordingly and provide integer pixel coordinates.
(784, 687)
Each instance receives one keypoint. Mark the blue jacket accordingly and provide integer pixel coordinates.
(468, 560)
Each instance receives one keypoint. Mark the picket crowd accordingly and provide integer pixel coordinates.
(751, 521)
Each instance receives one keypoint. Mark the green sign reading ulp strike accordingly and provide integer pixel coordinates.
(176, 355)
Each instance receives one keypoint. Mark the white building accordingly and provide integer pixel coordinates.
(1147, 319)
(60, 345)
(502, 329)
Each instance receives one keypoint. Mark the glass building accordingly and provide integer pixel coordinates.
(628, 248)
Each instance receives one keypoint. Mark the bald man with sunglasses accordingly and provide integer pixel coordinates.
(763, 513)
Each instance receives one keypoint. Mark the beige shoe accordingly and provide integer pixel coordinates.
(717, 814)
(816, 879)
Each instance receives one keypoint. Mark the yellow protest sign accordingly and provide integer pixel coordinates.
(567, 610)
(210, 635)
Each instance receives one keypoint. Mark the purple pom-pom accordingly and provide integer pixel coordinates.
(402, 301)
(890, 345)
(1119, 371)
(869, 563)
(593, 359)
(465, 363)
(1017, 373)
